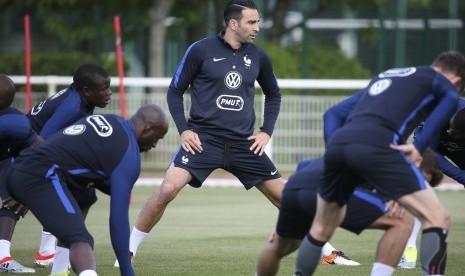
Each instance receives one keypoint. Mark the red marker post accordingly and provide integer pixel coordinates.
(27, 39)
(119, 59)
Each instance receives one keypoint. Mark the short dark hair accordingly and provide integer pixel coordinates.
(453, 62)
(430, 166)
(86, 75)
(234, 8)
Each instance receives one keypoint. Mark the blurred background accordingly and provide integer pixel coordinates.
(306, 39)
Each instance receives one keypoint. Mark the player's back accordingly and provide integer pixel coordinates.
(393, 104)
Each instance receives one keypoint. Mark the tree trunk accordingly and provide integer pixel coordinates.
(158, 13)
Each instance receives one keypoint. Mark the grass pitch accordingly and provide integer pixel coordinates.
(221, 231)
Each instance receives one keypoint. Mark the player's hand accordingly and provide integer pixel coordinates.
(190, 142)
(410, 151)
(261, 139)
(18, 208)
(394, 209)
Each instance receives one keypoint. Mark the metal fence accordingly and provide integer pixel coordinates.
(298, 133)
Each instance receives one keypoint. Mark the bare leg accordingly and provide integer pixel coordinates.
(152, 211)
(7, 227)
(273, 190)
(82, 257)
(270, 258)
(392, 243)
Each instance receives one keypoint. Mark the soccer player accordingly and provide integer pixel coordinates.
(221, 72)
(90, 88)
(365, 209)
(370, 148)
(16, 134)
(100, 149)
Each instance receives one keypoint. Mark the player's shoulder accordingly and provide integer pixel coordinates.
(11, 110)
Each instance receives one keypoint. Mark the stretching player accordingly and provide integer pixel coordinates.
(100, 149)
(16, 134)
(389, 108)
(221, 72)
(90, 88)
(365, 209)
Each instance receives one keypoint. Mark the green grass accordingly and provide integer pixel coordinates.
(221, 231)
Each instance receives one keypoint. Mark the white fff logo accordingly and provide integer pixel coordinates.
(247, 62)
(233, 80)
(74, 129)
(184, 160)
(230, 102)
(379, 87)
(100, 124)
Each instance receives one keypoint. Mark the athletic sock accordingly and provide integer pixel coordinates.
(380, 269)
(327, 249)
(61, 262)
(47, 243)
(412, 240)
(308, 256)
(433, 251)
(88, 272)
(135, 240)
(5, 249)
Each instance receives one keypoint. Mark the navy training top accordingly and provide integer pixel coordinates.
(59, 111)
(393, 104)
(222, 89)
(15, 132)
(101, 149)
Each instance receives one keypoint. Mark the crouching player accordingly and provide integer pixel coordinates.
(365, 209)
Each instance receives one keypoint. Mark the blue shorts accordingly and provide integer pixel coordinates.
(52, 203)
(232, 156)
(298, 208)
(385, 169)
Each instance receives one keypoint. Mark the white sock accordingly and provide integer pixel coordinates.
(412, 240)
(327, 249)
(88, 272)
(47, 244)
(61, 262)
(5, 249)
(380, 269)
(135, 240)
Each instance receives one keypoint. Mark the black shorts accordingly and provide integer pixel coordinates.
(298, 208)
(385, 169)
(52, 204)
(234, 157)
(4, 165)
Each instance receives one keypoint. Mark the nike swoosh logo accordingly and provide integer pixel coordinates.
(273, 173)
(218, 59)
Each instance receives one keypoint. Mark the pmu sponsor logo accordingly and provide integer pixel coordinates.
(233, 80)
(100, 124)
(230, 102)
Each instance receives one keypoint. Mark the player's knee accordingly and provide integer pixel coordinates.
(72, 238)
(168, 191)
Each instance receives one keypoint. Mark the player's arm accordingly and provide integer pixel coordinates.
(183, 77)
(450, 169)
(448, 99)
(269, 84)
(335, 116)
(121, 186)
(67, 113)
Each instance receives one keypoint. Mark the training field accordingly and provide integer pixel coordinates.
(221, 231)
